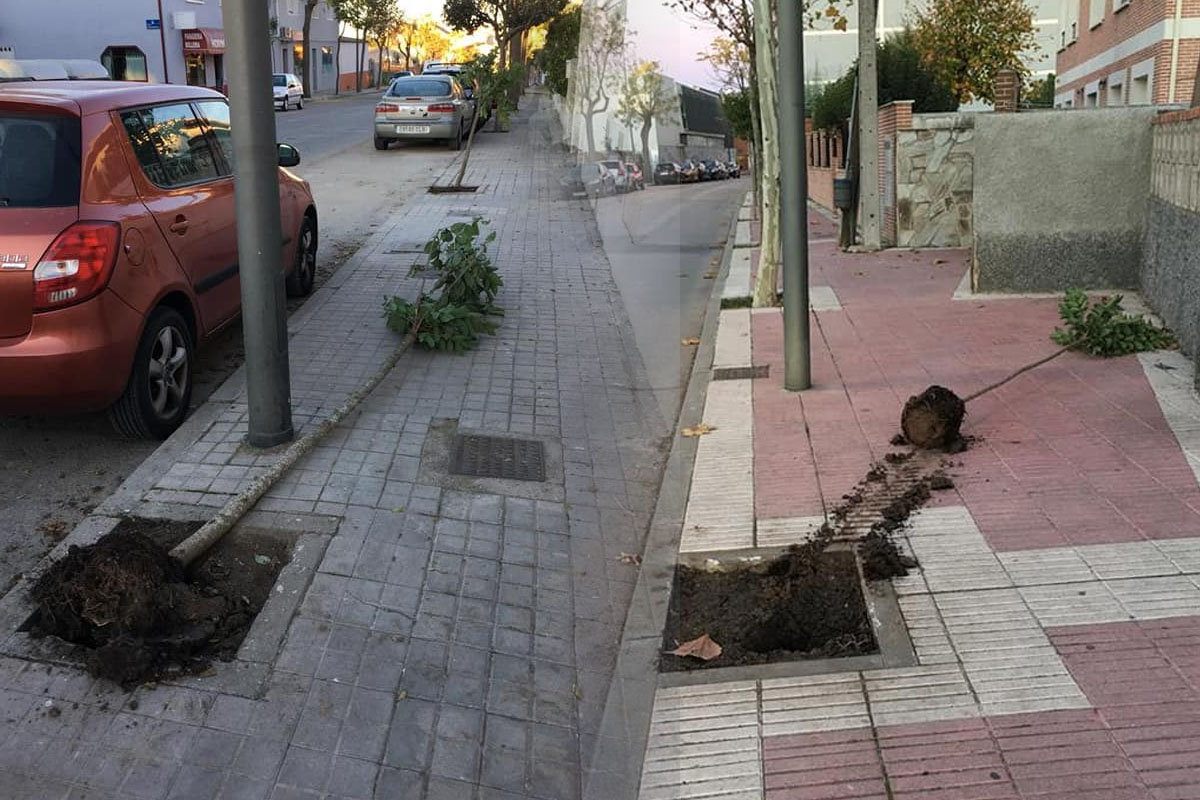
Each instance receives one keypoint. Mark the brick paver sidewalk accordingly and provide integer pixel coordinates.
(453, 640)
(1055, 620)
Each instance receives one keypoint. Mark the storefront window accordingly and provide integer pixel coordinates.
(195, 69)
(125, 63)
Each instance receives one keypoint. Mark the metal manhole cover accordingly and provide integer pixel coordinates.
(497, 457)
(741, 373)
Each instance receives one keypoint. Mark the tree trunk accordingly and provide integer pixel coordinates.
(309, 7)
(588, 117)
(765, 289)
(337, 57)
(462, 168)
(755, 137)
(357, 62)
(646, 167)
(515, 56)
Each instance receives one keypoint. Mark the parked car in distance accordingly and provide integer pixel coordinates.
(713, 170)
(634, 176)
(289, 91)
(587, 180)
(733, 170)
(424, 107)
(118, 236)
(616, 168)
(666, 172)
(689, 172)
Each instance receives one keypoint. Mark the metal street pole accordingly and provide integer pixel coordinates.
(793, 205)
(868, 126)
(259, 231)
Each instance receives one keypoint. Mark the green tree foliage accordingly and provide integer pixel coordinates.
(466, 284)
(902, 76)
(966, 42)
(646, 99)
(562, 44)
(1104, 329)
(491, 86)
(1040, 93)
(507, 19)
(737, 111)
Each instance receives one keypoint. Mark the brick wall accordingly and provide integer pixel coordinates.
(1121, 26)
(826, 161)
(893, 118)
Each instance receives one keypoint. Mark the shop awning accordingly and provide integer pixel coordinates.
(204, 40)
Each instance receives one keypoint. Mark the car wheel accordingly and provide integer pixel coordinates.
(300, 103)
(456, 142)
(156, 398)
(381, 143)
(300, 281)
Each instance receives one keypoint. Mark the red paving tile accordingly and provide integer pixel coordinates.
(1053, 755)
(1075, 452)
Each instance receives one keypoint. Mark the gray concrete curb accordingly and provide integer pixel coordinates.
(614, 771)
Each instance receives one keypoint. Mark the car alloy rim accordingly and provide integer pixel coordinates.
(308, 255)
(168, 372)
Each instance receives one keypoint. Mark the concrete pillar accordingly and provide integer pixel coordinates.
(868, 127)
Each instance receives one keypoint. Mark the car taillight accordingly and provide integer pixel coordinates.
(76, 266)
(386, 108)
(442, 108)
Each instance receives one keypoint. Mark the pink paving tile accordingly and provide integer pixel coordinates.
(1076, 452)
(944, 761)
(826, 766)
(1141, 677)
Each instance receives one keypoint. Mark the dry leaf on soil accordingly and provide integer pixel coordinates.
(701, 647)
(690, 342)
(700, 430)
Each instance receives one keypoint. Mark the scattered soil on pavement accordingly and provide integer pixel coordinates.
(140, 615)
(805, 604)
(933, 419)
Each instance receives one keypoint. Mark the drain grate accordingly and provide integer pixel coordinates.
(741, 373)
(497, 457)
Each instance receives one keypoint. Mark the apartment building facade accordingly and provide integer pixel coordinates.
(1127, 52)
(164, 41)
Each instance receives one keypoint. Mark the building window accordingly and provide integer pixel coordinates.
(1139, 91)
(125, 64)
(1096, 15)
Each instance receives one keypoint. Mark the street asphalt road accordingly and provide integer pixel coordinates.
(53, 471)
(661, 243)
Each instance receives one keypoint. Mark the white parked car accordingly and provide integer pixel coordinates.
(616, 169)
(289, 92)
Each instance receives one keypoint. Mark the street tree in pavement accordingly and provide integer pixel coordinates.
(751, 23)
(603, 53)
(562, 45)
(966, 42)
(354, 14)
(508, 19)
(645, 99)
(491, 86)
(382, 25)
(421, 40)
(309, 7)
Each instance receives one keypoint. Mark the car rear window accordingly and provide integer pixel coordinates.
(280, 80)
(419, 87)
(39, 160)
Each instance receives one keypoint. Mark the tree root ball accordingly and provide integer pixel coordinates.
(932, 419)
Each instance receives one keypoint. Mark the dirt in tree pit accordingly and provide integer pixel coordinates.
(140, 615)
(805, 604)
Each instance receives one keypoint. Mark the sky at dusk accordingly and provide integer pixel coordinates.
(662, 35)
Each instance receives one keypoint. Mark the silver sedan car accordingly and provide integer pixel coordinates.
(424, 107)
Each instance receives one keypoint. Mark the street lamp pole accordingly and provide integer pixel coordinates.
(259, 230)
(793, 205)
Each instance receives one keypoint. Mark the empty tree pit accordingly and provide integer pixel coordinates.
(136, 615)
(791, 607)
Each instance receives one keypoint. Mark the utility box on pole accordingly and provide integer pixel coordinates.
(868, 126)
(259, 230)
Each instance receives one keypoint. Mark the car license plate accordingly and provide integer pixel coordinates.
(412, 129)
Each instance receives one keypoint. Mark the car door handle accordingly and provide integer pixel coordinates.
(179, 226)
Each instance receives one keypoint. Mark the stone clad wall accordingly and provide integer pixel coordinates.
(1170, 276)
(934, 181)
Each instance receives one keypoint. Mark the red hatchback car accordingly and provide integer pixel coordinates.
(118, 246)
